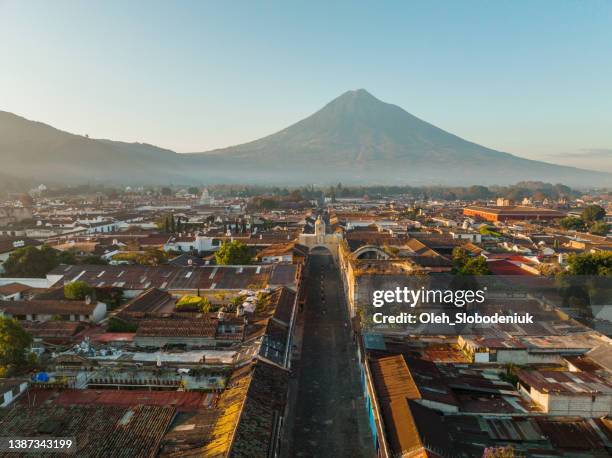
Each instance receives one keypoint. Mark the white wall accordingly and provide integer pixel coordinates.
(9, 397)
(99, 312)
(32, 282)
(582, 405)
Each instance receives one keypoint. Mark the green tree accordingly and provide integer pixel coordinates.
(478, 192)
(233, 253)
(539, 196)
(14, 345)
(600, 228)
(236, 301)
(66, 257)
(265, 203)
(151, 257)
(572, 223)
(112, 296)
(118, 325)
(92, 259)
(475, 266)
(598, 263)
(77, 290)
(464, 264)
(517, 193)
(31, 262)
(489, 230)
(460, 257)
(593, 213)
(165, 191)
(193, 190)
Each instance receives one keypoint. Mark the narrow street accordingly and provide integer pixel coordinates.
(330, 418)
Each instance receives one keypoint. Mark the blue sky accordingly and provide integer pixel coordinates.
(533, 78)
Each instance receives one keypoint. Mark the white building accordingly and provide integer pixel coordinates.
(474, 237)
(198, 243)
(568, 393)
(46, 310)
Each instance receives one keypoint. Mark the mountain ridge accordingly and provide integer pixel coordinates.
(355, 138)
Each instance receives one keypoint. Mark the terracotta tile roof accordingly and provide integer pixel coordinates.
(284, 274)
(264, 405)
(183, 401)
(282, 300)
(52, 329)
(13, 288)
(278, 249)
(154, 240)
(122, 432)
(248, 411)
(503, 267)
(54, 293)
(175, 278)
(153, 300)
(50, 307)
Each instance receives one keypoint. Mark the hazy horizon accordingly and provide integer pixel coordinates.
(596, 159)
(529, 79)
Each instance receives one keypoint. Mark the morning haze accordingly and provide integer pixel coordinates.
(356, 139)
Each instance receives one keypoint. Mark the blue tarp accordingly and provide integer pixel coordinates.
(374, 341)
(42, 377)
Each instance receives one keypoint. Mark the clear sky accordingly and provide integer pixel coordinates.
(533, 78)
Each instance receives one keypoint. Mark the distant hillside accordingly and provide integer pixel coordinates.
(35, 150)
(355, 139)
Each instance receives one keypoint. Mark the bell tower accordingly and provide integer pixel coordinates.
(321, 239)
(320, 230)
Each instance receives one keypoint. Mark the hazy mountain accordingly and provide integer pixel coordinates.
(35, 150)
(356, 138)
